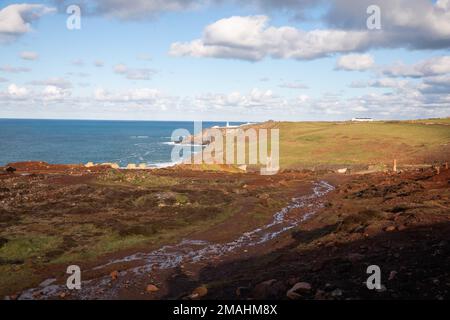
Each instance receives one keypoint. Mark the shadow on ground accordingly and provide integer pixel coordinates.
(415, 264)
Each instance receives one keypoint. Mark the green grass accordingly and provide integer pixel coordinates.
(22, 248)
(316, 143)
(142, 179)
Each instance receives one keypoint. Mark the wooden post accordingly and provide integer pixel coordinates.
(438, 169)
(395, 165)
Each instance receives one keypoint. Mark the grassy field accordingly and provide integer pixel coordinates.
(305, 144)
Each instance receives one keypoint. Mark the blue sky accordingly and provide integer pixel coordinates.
(223, 61)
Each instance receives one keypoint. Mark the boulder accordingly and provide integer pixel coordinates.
(298, 289)
(199, 292)
(152, 288)
(10, 169)
(269, 289)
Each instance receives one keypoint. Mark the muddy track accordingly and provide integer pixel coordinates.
(187, 251)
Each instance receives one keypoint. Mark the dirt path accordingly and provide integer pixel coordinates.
(140, 269)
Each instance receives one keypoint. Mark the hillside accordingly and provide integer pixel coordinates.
(312, 144)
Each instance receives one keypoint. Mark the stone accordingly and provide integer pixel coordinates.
(336, 293)
(10, 170)
(295, 292)
(199, 292)
(390, 228)
(114, 275)
(152, 288)
(262, 289)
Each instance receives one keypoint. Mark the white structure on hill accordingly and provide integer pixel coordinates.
(362, 119)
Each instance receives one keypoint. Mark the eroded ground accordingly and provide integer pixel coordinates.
(399, 222)
(60, 216)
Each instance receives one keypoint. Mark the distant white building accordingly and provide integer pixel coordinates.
(362, 119)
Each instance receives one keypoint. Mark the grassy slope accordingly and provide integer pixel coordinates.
(341, 143)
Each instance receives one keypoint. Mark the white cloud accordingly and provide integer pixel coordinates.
(120, 68)
(429, 67)
(251, 38)
(29, 55)
(11, 69)
(98, 63)
(55, 93)
(418, 24)
(255, 99)
(355, 62)
(14, 91)
(293, 85)
(404, 101)
(15, 19)
(381, 83)
(138, 9)
(134, 95)
(134, 73)
(53, 82)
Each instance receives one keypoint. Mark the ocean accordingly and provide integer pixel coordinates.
(81, 141)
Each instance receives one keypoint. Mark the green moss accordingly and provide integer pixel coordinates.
(138, 178)
(28, 247)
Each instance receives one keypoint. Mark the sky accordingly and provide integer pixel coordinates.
(225, 60)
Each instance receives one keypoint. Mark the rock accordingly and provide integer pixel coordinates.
(114, 275)
(392, 275)
(199, 292)
(10, 170)
(390, 228)
(262, 290)
(295, 292)
(152, 288)
(264, 196)
(336, 293)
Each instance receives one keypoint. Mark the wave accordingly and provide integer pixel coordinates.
(171, 143)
